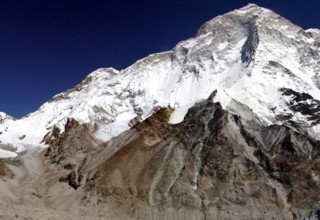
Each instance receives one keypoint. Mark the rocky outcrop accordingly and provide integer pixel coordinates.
(75, 140)
(213, 165)
(313, 215)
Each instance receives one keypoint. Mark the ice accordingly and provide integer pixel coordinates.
(7, 154)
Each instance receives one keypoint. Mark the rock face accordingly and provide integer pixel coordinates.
(213, 165)
(313, 215)
(224, 126)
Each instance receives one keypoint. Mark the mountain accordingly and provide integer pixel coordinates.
(4, 117)
(250, 56)
(224, 126)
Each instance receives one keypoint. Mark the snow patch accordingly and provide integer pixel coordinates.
(7, 154)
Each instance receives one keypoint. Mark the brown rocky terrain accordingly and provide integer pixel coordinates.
(213, 165)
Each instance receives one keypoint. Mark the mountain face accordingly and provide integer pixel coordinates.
(224, 126)
(250, 56)
(213, 165)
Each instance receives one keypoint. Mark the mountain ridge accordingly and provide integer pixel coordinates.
(210, 56)
(223, 126)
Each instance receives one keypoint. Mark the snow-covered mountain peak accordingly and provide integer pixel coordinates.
(104, 73)
(4, 117)
(250, 56)
(245, 16)
(94, 77)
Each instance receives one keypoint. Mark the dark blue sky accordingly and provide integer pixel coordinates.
(49, 46)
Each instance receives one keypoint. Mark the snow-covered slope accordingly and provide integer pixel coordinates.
(250, 56)
(4, 117)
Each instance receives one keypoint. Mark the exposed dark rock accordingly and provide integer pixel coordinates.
(302, 103)
(75, 140)
(212, 162)
(313, 215)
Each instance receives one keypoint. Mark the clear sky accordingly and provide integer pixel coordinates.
(49, 46)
